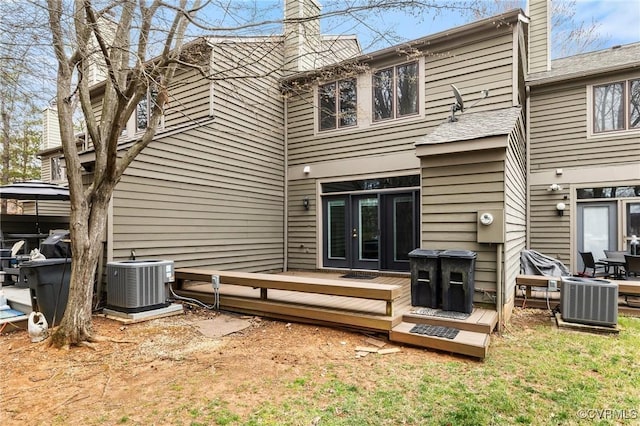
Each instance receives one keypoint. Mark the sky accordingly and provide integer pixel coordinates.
(618, 22)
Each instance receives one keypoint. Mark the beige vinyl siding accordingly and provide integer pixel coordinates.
(47, 208)
(486, 64)
(550, 234)
(515, 208)
(338, 48)
(45, 169)
(558, 130)
(455, 187)
(202, 200)
(302, 246)
(213, 196)
(246, 91)
(539, 35)
(189, 98)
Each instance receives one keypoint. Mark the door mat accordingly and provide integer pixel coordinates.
(435, 330)
(358, 276)
(430, 312)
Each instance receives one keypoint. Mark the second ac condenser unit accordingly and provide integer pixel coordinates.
(138, 285)
(589, 301)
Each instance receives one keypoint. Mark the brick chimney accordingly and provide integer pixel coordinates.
(539, 12)
(301, 35)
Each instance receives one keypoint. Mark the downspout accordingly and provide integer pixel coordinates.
(285, 139)
(499, 284)
(527, 142)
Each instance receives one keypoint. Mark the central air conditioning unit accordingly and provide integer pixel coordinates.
(589, 301)
(138, 285)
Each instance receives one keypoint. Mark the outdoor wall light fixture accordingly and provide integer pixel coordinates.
(560, 208)
(554, 187)
(306, 170)
(305, 203)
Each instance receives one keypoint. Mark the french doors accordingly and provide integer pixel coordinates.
(374, 231)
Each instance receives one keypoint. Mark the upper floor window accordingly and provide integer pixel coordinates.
(616, 106)
(58, 173)
(338, 104)
(395, 91)
(145, 107)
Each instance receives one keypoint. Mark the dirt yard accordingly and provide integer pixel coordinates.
(162, 367)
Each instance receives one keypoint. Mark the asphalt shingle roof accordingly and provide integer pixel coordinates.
(474, 125)
(615, 58)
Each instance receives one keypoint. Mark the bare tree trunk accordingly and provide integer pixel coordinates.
(86, 226)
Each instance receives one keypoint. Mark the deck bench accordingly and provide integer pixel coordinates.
(364, 290)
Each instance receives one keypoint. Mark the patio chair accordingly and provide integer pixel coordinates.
(632, 266)
(614, 254)
(598, 269)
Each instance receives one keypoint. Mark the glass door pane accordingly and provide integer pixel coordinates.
(399, 231)
(335, 232)
(367, 234)
(403, 228)
(597, 228)
(632, 223)
(336, 229)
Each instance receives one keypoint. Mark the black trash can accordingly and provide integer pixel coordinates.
(48, 281)
(457, 276)
(425, 278)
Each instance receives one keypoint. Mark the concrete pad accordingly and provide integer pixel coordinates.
(221, 325)
(585, 327)
(134, 317)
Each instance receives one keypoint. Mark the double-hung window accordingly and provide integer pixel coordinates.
(616, 106)
(395, 91)
(338, 104)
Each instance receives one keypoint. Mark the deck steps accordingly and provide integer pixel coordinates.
(472, 335)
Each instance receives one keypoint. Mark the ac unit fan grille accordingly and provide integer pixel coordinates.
(590, 302)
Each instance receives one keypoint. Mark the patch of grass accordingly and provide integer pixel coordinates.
(534, 375)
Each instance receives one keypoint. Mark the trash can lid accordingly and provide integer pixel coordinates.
(45, 262)
(423, 253)
(459, 254)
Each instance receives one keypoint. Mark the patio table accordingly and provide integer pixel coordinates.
(616, 264)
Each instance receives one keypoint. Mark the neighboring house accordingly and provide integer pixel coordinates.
(584, 127)
(301, 153)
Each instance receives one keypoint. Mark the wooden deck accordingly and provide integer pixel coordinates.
(381, 304)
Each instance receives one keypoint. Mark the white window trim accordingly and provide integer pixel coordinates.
(590, 110)
(364, 87)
